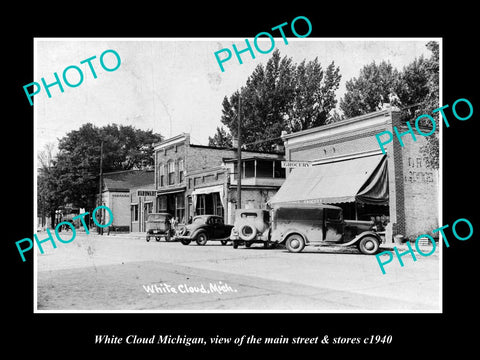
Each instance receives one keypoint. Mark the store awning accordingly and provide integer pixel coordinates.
(207, 190)
(362, 179)
(170, 191)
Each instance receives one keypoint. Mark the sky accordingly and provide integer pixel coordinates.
(175, 85)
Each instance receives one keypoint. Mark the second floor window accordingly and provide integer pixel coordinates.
(171, 173)
(181, 170)
(161, 170)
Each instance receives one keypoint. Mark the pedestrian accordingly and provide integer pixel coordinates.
(173, 222)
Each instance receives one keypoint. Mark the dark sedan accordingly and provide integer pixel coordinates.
(204, 228)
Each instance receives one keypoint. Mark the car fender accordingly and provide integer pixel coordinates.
(357, 238)
(195, 232)
(285, 234)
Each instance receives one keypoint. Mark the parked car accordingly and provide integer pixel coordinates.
(299, 225)
(158, 225)
(204, 228)
(251, 226)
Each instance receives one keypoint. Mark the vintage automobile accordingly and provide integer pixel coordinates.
(158, 225)
(204, 228)
(298, 225)
(251, 226)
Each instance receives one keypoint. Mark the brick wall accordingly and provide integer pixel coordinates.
(420, 189)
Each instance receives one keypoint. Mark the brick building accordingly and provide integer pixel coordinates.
(196, 179)
(349, 170)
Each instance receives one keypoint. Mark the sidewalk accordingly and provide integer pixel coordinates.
(425, 248)
(130, 235)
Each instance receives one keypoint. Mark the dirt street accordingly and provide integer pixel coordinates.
(115, 273)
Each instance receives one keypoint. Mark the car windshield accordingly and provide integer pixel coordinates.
(199, 220)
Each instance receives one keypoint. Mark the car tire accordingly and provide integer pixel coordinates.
(295, 243)
(201, 239)
(235, 244)
(368, 245)
(247, 232)
(248, 244)
(185, 242)
(157, 238)
(148, 238)
(224, 242)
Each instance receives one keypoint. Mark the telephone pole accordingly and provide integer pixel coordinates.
(100, 181)
(239, 155)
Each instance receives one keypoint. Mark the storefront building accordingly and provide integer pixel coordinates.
(142, 199)
(196, 179)
(116, 195)
(348, 169)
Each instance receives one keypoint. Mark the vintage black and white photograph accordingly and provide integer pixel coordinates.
(238, 175)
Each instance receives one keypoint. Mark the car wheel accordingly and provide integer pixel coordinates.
(157, 238)
(368, 245)
(247, 232)
(295, 243)
(266, 244)
(185, 242)
(224, 242)
(248, 244)
(148, 238)
(235, 244)
(201, 239)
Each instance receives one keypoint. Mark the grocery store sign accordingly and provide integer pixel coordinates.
(296, 164)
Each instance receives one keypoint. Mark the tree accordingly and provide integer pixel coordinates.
(220, 139)
(415, 90)
(374, 86)
(78, 160)
(314, 95)
(49, 195)
(431, 150)
(280, 96)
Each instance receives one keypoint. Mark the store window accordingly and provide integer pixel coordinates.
(217, 204)
(180, 207)
(162, 203)
(134, 210)
(200, 205)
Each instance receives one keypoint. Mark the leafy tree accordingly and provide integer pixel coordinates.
(314, 95)
(78, 161)
(415, 90)
(374, 86)
(49, 195)
(220, 139)
(431, 150)
(280, 95)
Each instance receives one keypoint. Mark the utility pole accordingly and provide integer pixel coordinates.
(100, 181)
(239, 156)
